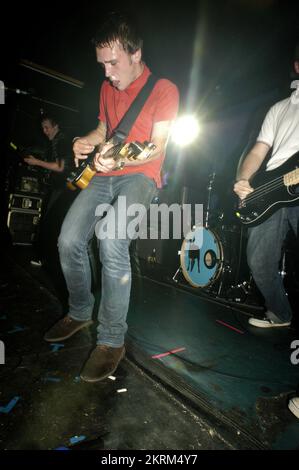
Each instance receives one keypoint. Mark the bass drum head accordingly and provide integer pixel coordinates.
(201, 257)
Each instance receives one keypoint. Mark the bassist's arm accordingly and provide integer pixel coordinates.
(249, 167)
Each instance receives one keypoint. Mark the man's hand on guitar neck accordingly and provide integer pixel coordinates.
(242, 188)
(104, 163)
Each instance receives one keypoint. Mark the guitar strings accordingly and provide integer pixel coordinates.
(267, 187)
(264, 189)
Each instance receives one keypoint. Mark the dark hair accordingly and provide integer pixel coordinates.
(296, 55)
(118, 27)
(51, 119)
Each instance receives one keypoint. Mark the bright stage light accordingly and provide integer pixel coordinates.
(185, 130)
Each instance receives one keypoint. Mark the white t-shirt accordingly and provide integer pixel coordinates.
(280, 130)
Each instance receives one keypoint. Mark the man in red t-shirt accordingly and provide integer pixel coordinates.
(119, 52)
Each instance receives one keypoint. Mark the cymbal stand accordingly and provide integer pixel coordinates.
(209, 188)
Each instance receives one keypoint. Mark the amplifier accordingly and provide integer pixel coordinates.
(27, 202)
(23, 226)
(156, 250)
(30, 184)
(150, 250)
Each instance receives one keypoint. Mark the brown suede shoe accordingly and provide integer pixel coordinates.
(65, 328)
(102, 362)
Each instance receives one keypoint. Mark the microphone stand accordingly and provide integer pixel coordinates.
(18, 91)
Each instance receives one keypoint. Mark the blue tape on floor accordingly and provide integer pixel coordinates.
(7, 409)
(56, 346)
(17, 328)
(62, 448)
(76, 439)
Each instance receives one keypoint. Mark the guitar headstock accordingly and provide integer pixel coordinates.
(140, 151)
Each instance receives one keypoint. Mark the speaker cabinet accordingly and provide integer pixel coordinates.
(25, 201)
(23, 226)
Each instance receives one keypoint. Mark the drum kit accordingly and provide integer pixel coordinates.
(213, 257)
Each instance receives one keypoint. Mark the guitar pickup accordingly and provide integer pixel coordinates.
(139, 151)
(136, 147)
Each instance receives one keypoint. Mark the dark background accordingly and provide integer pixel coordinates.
(230, 59)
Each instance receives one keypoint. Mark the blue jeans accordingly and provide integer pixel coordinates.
(264, 251)
(77, 230)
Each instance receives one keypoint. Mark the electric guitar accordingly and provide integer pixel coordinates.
(80, 177)
(272, 190)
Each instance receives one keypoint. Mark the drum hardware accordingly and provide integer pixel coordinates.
(184, 195)
(282, 271)
(209, 188)
(179, 270)
(227, 272)
(239, 293)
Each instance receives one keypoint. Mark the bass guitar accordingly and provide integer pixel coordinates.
(272, 190)
(80, 177)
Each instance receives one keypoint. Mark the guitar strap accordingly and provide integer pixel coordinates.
(120, 133)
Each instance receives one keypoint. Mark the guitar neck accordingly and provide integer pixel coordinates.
(122, 151)
(114, 151)
(291, 178)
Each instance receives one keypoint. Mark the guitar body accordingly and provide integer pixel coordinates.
(272, 190)
(81, 177)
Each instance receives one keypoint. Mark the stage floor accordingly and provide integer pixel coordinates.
(196, 375)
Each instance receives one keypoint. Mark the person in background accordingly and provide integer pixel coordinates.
(57, 162)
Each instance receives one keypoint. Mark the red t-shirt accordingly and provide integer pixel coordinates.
(162, 105)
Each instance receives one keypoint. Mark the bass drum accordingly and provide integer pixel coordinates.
(202, 257)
